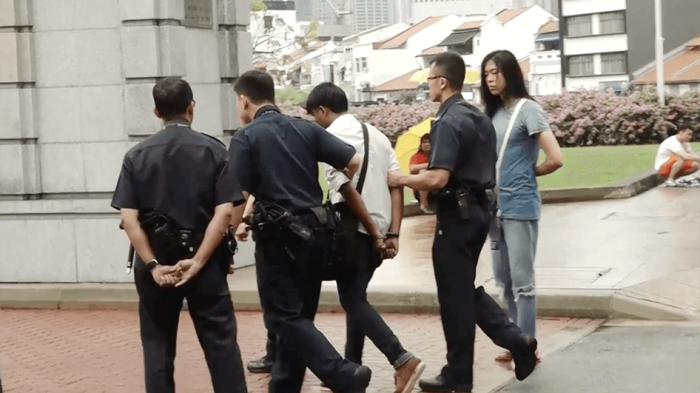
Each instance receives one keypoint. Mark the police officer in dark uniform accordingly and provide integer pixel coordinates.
(177, 193)
(461, 172)
(275, 159)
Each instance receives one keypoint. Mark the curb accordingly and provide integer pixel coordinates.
(574, 303)
(630, 187)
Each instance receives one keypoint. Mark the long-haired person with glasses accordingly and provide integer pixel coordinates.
(522, 129)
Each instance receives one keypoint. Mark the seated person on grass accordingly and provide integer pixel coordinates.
(419, 164)
(676, 159)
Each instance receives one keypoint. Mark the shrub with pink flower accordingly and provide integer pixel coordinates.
(578, 118)
(592, 117)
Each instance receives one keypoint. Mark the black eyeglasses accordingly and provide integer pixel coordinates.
(435, 77)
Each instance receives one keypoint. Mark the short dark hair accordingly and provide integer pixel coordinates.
(509, 67)
(451, 66)
(327, 95)
(258, 86)
(172, 96)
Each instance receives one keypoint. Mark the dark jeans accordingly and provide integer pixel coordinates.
(271, 347)
(211, 309)
(362, 319)
(456, 250)
(289, 294)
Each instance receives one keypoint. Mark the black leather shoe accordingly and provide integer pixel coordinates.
(438, 384)
(361, 378)
(260, 366)
(525, 358)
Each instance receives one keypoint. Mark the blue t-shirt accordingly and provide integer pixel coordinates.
(519, 197)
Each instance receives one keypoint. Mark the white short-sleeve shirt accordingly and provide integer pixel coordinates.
(375, 192)
(668, 148)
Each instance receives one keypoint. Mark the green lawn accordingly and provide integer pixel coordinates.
(601, 165)
(586, 167)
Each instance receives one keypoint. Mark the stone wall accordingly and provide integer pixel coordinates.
(75, 95)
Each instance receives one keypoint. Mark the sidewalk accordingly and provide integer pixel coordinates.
(630, 258)
(78, 351)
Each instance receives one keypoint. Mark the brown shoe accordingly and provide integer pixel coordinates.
(407, 375)
(505, 361)
(505, 357)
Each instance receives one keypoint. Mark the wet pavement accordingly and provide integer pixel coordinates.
(648, 246)
(76, 351)
(621, 359)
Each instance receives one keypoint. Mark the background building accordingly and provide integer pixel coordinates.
(595, 44)
(424, 8)
(368, 14)
(607, 42)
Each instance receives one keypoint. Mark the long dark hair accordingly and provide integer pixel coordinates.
(515, 82)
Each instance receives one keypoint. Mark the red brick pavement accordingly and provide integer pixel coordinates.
(62, 351)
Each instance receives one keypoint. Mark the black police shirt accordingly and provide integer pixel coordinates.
(463, 141)
(180, 173)
(276, 156)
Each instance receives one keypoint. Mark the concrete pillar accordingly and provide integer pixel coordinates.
(76, 80)
(20, 172)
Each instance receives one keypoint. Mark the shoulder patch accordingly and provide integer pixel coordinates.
(214, 138)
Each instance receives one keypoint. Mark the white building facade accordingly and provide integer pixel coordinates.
(595, 46)
(512, 30)
(544, 76)
(421, 9)
(398, 55)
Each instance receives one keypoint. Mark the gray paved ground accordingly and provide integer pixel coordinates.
(621, 359)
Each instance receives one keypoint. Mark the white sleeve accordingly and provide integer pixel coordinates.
(335, 178)
(674, 145)
(394, 163)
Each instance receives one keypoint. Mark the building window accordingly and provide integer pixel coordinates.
(268, 21)
(361, 65)
(613, 63)
(612, 23)
(581, 65)
(577, 26)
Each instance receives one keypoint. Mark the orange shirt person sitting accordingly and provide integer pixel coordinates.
(419, 164)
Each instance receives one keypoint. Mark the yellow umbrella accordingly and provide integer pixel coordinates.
(470, 76)
(407, 145)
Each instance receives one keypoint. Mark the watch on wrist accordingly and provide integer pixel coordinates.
(392, 234)
(151, 265)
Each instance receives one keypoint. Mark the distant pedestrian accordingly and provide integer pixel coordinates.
(461, 172)
(675, 159)
(176, 194)
(522, 129)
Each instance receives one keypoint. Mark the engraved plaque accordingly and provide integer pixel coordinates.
(199, 13)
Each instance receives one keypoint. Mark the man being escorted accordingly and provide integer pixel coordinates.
(379, 210)
(461, 170)
(676, 159)
(275, 158)
(177, 193)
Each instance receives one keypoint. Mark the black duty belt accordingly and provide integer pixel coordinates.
(449, 199)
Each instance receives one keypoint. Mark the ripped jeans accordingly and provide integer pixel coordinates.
(514, 270)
